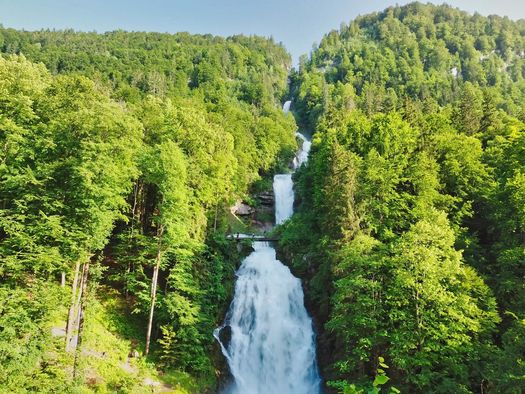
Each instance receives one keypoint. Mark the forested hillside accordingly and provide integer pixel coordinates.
(120, 154)
(410, 231)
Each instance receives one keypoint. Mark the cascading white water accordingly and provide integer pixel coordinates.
(272, 345)
(284, 197)
(302, 156)
(286, 106)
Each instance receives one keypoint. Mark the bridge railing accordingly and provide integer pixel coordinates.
(253, 237)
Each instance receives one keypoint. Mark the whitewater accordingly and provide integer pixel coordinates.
(272, 345)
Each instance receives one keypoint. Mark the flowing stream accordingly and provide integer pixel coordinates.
(272, 345)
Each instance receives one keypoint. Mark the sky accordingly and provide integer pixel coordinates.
(298, 24)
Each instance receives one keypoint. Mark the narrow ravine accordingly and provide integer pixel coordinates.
(272, 345)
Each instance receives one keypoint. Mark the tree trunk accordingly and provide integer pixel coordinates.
(215, 219)
(71, 314)
(83, 288)
(131, 231)
(63, 279)
(134, 208)
(154, 281)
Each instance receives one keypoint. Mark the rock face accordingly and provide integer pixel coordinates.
(258, 219)
(266, 199)
(225, 376)
(262, 226)
(242, 209)
(225, 335)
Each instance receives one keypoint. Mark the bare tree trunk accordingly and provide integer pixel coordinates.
(154, 281)
(63, 279)
(153, 299)
(76, 321)
(82, 302)
(71, 314)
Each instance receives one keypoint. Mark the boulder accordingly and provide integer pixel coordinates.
(58, 332)
(242, 209)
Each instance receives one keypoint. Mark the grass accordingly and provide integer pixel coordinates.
(111, 333)
(235, 224)
(184, 383)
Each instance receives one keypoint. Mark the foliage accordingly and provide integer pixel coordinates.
(127, 148)
(409, 233)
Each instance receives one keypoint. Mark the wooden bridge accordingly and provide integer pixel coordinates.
(252, 237)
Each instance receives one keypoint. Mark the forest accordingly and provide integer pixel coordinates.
(122, 154)
(410, 231)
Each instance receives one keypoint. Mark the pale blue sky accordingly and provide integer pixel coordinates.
(296, 23)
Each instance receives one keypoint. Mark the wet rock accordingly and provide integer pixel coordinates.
(244, 248)
(261, 226)
(225, 335)
(266, 198)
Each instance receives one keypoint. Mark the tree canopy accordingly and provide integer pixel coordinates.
(408, 233)
(121, 154)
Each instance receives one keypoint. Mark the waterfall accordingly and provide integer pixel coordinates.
(284, 197)
(272, 345)
(286, 106)
(302, 156)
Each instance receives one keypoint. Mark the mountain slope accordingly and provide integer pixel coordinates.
(410, 234)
